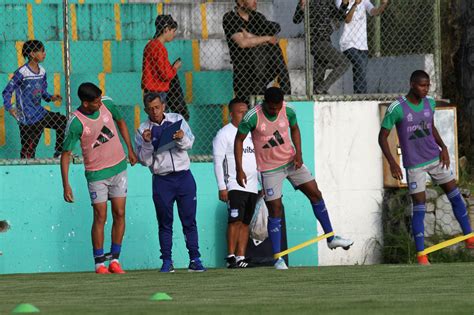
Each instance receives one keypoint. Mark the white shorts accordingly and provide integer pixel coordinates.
(112, 187)
(416, 177)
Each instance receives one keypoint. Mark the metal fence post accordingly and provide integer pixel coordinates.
(67, 57)
(437, 48)
(378, 33)
(309, 65)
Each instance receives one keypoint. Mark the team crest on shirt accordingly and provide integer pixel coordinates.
(427, 113)
(270, 192)
(263, 127)
(413, 185)
(410, 117)
(234, 213)
(106, 119)
(87, 130)
(93, 195)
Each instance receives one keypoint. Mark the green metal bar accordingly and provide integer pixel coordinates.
(309, 64)
(378, 33)
(437, 48)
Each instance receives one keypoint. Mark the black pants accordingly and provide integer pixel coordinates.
(31, 134)
(325, 57)
(266, 63)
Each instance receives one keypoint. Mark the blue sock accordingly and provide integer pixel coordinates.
(321, 213)
(418, 226)
(99, 257)
(459, 209)
(274, 232)
(115, 250)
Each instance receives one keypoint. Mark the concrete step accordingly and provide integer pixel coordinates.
(103, 20)
(126, 56)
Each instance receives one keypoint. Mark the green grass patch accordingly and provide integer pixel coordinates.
(379, 289)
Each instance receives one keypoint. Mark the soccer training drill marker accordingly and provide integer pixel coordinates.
(445, 244)
(304, 244)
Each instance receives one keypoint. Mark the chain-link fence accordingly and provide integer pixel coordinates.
(221, 50)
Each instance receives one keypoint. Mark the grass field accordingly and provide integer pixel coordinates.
(380, 289)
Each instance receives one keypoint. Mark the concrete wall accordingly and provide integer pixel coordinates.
(348, 167)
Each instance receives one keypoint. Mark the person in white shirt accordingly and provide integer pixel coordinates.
(353, 41)
(240, 201)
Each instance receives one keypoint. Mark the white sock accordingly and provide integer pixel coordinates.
(239, 258)
(114, 260)
(98, 265)
(230, 255)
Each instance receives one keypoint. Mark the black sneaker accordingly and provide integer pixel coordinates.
(231, 262)
(244, 263)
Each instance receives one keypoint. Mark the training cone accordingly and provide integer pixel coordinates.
(161, 296)
(25, 308)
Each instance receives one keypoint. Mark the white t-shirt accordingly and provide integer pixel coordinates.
(354, 34)
(224, 161)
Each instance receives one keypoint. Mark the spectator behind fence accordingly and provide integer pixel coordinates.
(353, 40)
(323, 16)
(240, 201)
(167, 158)
(106, 168)
(159, 75)
(30, 85)
(256, 57)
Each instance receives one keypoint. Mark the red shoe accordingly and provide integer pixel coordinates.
(101, 270)
(470, 243)
(423, 260)
(115, 267)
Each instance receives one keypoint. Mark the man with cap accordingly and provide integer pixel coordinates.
(159, 75)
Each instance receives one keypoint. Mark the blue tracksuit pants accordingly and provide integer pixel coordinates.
(179, 187)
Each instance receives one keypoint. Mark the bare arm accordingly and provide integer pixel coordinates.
(379, 10)
(383, 142)
(350, 14)
(296, 138)
(122, 126)
(238, 151)
(444, 154)
(67, 191)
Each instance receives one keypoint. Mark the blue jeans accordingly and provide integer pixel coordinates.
(359, 60)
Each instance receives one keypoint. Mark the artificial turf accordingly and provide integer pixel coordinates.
(377, 289)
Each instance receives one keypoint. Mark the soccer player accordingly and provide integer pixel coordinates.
(172, 179)
(278, 158)
(241, 201)
(106, 167)
(30, 86)
(424, 152)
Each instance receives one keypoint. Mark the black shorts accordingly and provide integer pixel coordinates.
(241, 206)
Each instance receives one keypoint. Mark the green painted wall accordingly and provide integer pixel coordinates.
(49, 235)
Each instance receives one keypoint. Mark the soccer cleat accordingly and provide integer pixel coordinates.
(195, 265)
(231, 262)
(280, 264)
(167, 266)
(338, 241)
(101, 270)
(470, 243)
(115, 267)
(423, 260)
